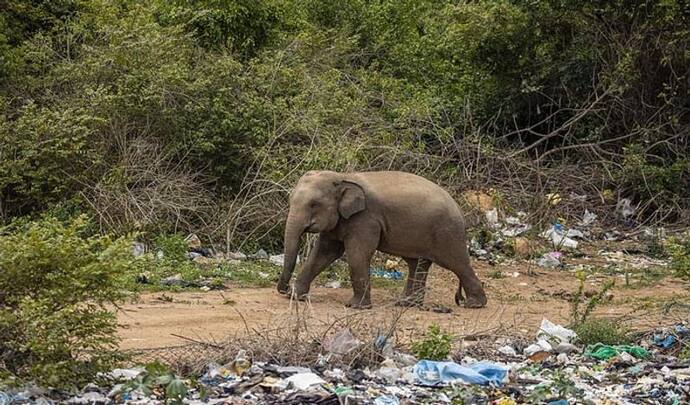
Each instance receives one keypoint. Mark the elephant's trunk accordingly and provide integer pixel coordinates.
(293, 232)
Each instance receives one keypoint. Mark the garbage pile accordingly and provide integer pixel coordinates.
(555, 369)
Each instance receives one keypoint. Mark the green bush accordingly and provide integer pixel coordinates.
(598, 330)
(56, 285)
(435, 345)
(679, 247)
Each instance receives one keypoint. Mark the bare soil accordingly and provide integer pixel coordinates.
(517, 304)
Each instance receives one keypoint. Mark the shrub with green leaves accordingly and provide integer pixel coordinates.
(56, 283)
(679, 247)
(434, 346)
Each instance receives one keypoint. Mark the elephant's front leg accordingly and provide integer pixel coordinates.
(325, 252)
(360, 248)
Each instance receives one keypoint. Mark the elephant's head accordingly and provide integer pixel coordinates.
(317, 203)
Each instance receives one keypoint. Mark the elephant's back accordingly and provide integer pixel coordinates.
(409, 191)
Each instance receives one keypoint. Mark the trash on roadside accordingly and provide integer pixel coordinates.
(342, 342)
(588, 218)
(138, 249)
(550, 260)
(304, 381)
(393, 275)
(175, 280)
(391, 264)
(492, 217)
(389, 372)
(553, 198)
(561, 238)
(550, 330)
(507, 350)
(278, 260)
(601, 351)
(433, 373)
(669, 339)
(260, 255)
(386, 400)
(624, 208)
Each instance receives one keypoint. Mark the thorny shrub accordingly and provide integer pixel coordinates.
(589, 329)
(56, 282)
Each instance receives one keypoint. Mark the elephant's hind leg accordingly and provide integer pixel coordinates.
(459, 263)
(416, 282)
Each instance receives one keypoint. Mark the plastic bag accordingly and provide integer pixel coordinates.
(433, 373)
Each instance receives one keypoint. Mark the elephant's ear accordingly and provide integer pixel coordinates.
(351, 199)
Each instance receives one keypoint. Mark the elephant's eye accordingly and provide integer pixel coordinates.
(314, 204)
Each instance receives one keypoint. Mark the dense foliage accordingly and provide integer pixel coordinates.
(56, 283)
(150, 114)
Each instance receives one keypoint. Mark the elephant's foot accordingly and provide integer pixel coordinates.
(359, 303)
(473, 302)
(284, 289)
(458, 297)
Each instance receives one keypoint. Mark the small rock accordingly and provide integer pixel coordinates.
(261, 255)
(236, 256)
(333, 284)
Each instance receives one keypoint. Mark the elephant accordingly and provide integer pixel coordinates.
(394, 212)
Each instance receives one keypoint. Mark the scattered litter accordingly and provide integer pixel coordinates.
(304, 381)
(553, 198)
(588, 218)
(669, 339)
(550, 330)
(561, 238)
(601, 351)
(138, 249)
(342, 342)
(386, 400)
(278, 260)
(393, 275)
(175, 280)
(433, 373)
(507, 350)
(624, 208)
(333, 284)
(492, 218)
(260, 255)
(550, 260)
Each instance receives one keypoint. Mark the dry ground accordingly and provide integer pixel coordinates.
(516, 306)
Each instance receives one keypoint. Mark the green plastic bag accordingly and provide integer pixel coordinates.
(601, 351)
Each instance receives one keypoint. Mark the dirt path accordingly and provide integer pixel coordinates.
(516, 303)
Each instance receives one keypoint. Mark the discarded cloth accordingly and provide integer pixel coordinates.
(431, 373)
(601, 351)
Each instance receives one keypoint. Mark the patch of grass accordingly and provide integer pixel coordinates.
(684, 353)
(497, 274)
(599, 330)
(435, 345)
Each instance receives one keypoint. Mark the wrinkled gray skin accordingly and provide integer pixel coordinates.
(394, 212)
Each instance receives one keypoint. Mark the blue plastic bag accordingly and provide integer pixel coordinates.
(432, 373)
